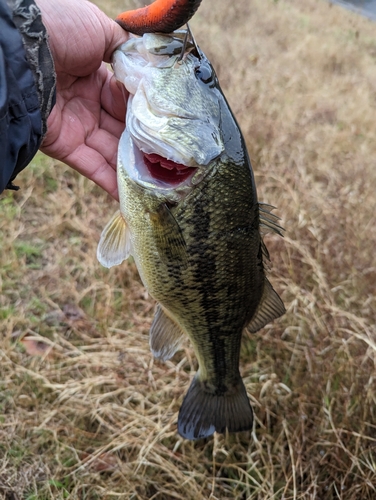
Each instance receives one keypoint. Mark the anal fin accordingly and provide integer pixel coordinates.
(269, 308)
(115, 243)
(165, 335)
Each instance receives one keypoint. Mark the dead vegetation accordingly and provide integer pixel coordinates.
(85, 412)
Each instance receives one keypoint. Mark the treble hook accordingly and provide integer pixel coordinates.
(188, 37)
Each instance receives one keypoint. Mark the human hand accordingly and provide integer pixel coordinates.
(85, 125)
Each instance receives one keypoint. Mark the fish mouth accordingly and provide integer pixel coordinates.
(153, 171)
(167, 171)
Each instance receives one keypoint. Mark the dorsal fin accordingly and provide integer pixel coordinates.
(269, 308)
(268, 221)
(265, 257)
(268, 224)
(165, 335)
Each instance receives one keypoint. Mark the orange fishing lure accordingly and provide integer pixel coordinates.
(162, 16)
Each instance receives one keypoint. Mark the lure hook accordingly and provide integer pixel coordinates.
(188, 37)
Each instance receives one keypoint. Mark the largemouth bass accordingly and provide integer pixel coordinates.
(189, 216)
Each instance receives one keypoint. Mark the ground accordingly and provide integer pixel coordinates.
(85, 411)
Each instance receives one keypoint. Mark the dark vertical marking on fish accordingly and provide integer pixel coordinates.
(220, 401)
(205, 266)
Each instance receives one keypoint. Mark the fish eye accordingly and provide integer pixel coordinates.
(204, 73)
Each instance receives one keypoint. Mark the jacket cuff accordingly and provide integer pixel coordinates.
(28, 20)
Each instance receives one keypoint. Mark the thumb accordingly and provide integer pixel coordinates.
(115, 36)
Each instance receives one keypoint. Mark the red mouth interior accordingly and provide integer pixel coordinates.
(166, 170)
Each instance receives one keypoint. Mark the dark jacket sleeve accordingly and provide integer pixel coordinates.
(27, 86)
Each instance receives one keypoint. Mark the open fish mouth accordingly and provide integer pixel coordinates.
(153, 171)
(167, 171)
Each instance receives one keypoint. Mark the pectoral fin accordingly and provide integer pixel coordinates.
(269, 308)
(168, 236)
(115, 243)
(165, 335)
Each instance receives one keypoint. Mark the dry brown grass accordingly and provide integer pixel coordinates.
(94, 417)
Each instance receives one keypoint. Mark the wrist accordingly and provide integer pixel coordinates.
(28, 20)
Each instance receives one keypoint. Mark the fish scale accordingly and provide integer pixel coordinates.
(221, 277)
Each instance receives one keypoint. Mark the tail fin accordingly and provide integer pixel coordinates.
(203, 412)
